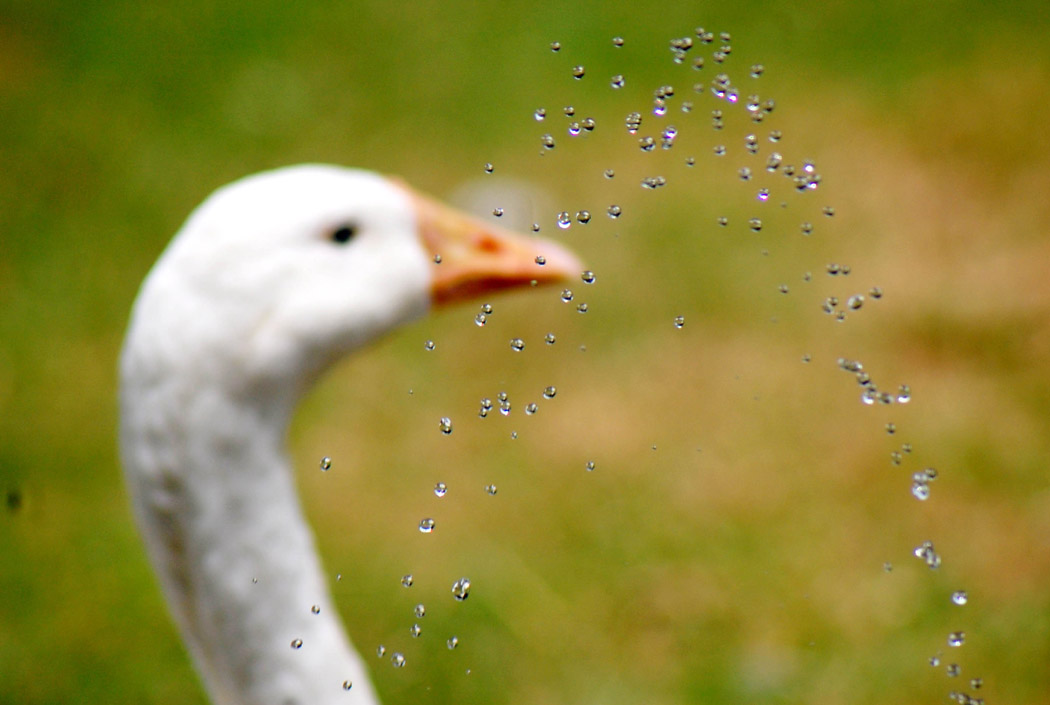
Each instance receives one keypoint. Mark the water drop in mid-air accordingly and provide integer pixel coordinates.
(461, 589)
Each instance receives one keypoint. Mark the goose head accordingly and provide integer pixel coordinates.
(276, 275)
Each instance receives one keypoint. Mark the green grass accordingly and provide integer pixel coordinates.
(729, 546)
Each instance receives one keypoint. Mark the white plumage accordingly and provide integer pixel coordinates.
(270, 280)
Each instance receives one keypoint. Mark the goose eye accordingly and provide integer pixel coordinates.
(344, 233)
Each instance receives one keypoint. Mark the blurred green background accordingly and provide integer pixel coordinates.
(732, 543)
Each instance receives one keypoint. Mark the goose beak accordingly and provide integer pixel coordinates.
(472, 257)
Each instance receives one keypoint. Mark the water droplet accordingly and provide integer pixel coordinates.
(577, 72)
(437, 259)
(757, 70)
(347, 685)
(633, 122)
(935, 661)
(452, 642)
(828, 211)
(956, 639)
(783, 288)
(397, 659)
(927, 554)
(920, 490)
(440, 489)
(668, 136)
(587, 276)
(723, 221)
(806, 357)
(564, 221)
(517, 344)
(775, 136)
(653, 182)
(380, 651)
(763, 194)
(807, 228)
(297, 643)
(679, 321)
(755, 224)
(904, 394)
(429, 345)
(406, 580)
(976, 684)
(646, 144)
(535, 227)
(953, 670)
(609, 173)
(531, 408)
(549, 339)
(960, 597)
(489, 168)
(575, 128)
(426, 525)
(415, 630)
(316, 609)
(548, 141)
(581, 308)
(617, 81)
(888, 567)
(540, 114)
(589, 466)
(855, 301)
(745, 173)
(445, 424)
(326, 463)
(566, 295)
(891, 428)
(876, 292)
(491, 489)
(480, 319)
(583, 217)
(588, 124)
(461, 589)
(498, 212)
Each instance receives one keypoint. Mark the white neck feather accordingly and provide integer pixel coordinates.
(215, 498)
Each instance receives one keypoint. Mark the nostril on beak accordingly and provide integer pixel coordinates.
(489, 245)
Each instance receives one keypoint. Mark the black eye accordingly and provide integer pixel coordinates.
(344, 233)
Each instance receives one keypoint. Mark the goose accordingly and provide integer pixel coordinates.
(269, 281)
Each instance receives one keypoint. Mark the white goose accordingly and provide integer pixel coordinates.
(270, 280)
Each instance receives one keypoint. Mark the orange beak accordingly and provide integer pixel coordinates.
(472, 257)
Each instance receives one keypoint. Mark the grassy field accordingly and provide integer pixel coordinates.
(745, 535)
